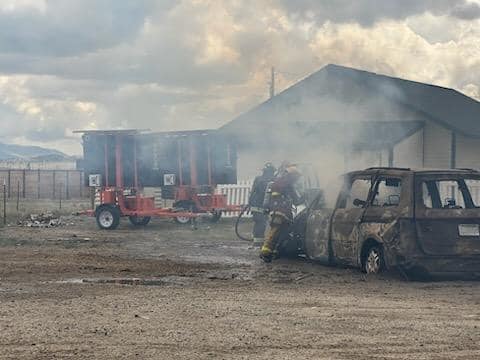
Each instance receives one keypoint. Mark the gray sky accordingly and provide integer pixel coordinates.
(173, 65)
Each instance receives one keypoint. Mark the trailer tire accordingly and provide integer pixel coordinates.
(108, 217)
(187, 206)
(139, 221)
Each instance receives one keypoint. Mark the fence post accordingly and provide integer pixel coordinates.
(4, 202)
(60, 197)
(18, 194)
(24, 192)
(92, 197)
(53, 184)
(67, 185)
(38, 183)
(9, 182)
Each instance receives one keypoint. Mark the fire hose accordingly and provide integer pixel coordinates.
(244, 210)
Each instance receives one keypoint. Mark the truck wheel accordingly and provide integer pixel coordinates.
(216, 216)
(373, 263)
(139, 221)
(108, 217)
(186, 206)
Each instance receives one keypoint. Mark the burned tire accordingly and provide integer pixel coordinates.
(186, 206)
(108, 217)
(216, 216)
(139, 221)
(373, 261)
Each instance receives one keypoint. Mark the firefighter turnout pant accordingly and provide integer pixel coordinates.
(259, 227)
(278, 226)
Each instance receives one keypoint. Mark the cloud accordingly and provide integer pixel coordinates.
(169, 65)
(466, 11)
(368, 12)
(62, 28)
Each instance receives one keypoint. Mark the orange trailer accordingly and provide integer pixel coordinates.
(118, 201)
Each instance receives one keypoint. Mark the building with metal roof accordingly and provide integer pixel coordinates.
(358, 119)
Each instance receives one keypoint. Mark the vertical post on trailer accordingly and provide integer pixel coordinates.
(193, 163)
(118, 162)
(209, 164)
(106, 159)
(135, 171)
(135, 168)
(180, 165)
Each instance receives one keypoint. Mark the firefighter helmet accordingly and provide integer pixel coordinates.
(268, 168)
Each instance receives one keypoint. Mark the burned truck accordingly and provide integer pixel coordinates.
(421, 222)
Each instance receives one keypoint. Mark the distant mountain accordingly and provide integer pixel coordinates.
(22, 152)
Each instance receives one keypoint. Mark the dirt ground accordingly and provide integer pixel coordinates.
(172, 292)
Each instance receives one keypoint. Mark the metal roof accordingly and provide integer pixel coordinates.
(444, 106)
(373, 170)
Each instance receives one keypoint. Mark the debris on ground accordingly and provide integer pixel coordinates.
(43, 220)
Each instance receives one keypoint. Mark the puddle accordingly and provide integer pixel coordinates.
(167, 280)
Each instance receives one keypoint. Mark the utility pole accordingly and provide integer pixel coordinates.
(272, 83)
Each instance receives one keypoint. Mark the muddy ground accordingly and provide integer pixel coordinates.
(171, 292)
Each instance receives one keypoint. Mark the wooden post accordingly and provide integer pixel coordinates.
(9, 182)
(92, 197)
(38, 183)
(53, 190)
(18, 194)
(67, 184)
(24, 178)
(4, 202)
(60, 197)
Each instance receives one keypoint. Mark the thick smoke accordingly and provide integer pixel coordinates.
(329, 124)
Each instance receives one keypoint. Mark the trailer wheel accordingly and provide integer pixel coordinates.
(108, 217)
(186, 206)
(216, 216)
(139, 221)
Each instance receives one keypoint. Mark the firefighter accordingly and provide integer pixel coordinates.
(283, 195)
(256, 203)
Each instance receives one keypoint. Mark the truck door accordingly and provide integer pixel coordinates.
(347, 217)
(447, 215)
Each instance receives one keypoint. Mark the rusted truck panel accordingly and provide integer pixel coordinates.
(419, 221)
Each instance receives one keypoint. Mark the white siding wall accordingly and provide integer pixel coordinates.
(437, 144)
(409, 152)
(468, 152)
(362, 159)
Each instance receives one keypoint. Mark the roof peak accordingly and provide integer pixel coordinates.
(337, 67)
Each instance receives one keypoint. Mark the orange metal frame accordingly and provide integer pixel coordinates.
(204, 202)
(136, 204)
(141, 206)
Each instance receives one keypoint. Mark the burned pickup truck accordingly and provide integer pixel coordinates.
(418, 221)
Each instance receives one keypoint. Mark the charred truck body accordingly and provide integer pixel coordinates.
(423, 222)
(186, 165)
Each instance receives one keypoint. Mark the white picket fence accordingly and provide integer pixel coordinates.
(237, 194)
